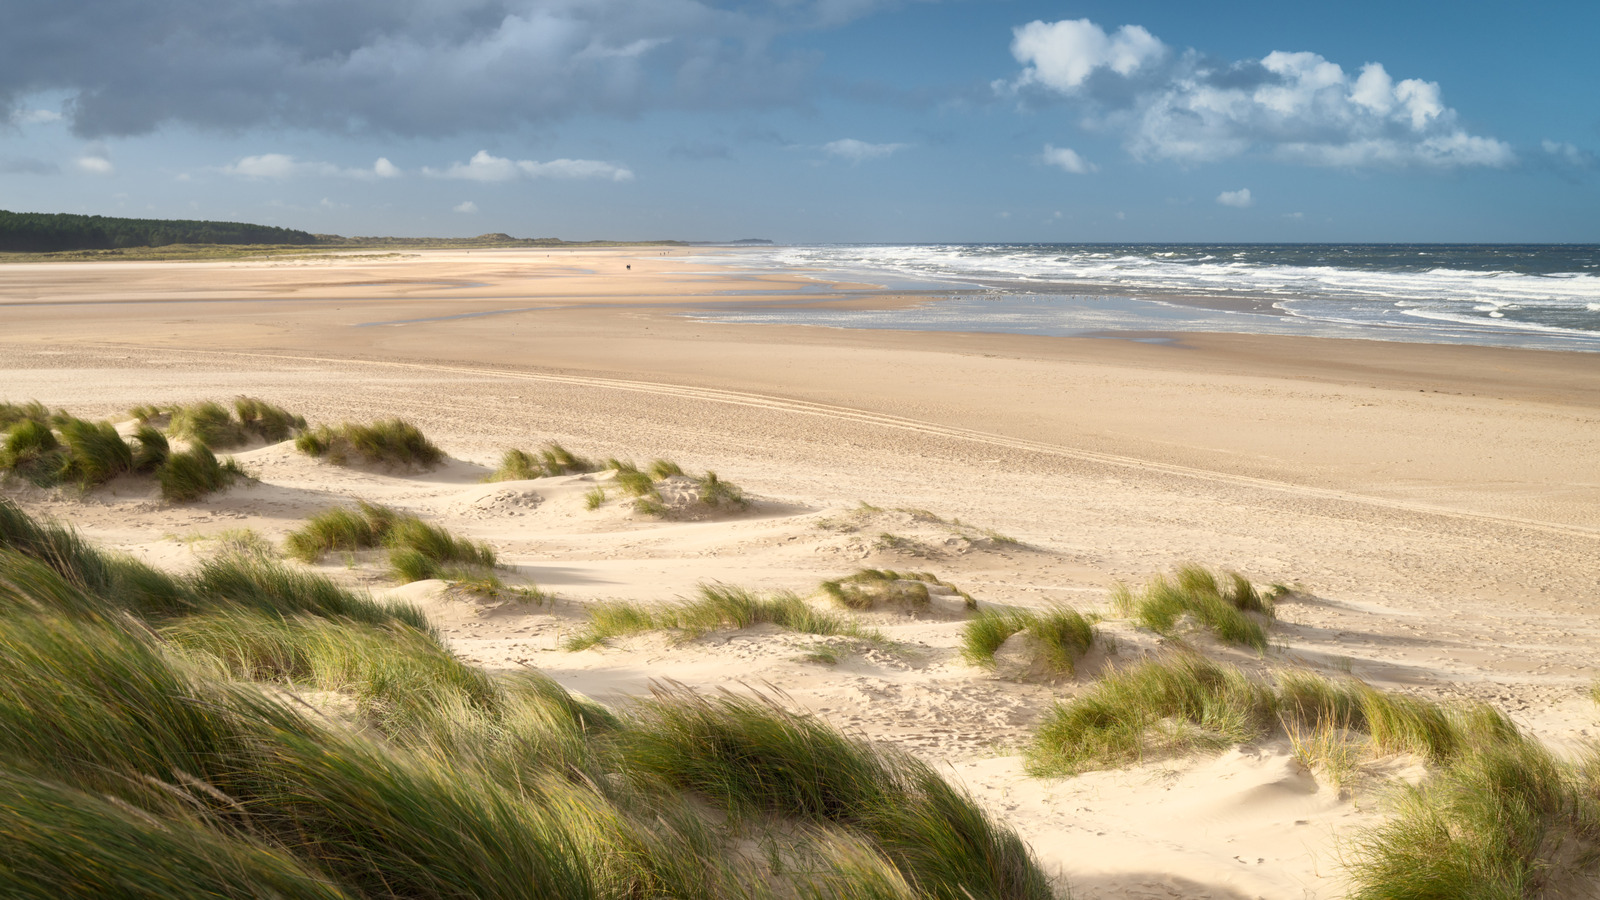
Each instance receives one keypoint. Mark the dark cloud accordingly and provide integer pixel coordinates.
(401, 66)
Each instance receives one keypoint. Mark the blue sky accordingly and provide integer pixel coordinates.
(812, 120)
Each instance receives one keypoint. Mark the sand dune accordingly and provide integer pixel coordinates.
(1437, 505)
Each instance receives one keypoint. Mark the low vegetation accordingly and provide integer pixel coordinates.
(194, 473)
(872, 588)
(32, 411)
(1235, 612)
(552, 459)
(645, 486)
(714, 607)
(140, 757)
(1059, 636)
(390, 442)
(208, 424)
(417, 550)
(53, 449)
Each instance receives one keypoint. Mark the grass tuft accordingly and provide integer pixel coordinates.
(417, 549)
(552, 459)
(868, 588)
(749, 756)
(95, 453)
(337, 528)
(719, 494)
(1189, 702)
(664, 468)
(1061, 636)
(1235, 613)
(207, 423)
(194, 473)
(714, 607)
(557, 460)
(391, 442)
(516, 465)
(1182, 704)
(594, 498)
(32, 452)
(266, 421)
(635, 483)
(32, 411)
(147, 413)
(152, 451)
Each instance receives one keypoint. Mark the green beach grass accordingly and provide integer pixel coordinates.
(140, 756)
(1234, 611)
(1060, 636)
(714, 607)
(389, 442)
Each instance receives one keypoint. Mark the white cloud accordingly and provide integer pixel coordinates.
(35, 117)
(575, 168)
(486, 167)
(1294, 107)
(96, 160)
(860, 151)
(465, 206)
(1067, 160)
(1569, 154)
(267, 165)
(1062, 55)
(1240, 198)
(280, 165)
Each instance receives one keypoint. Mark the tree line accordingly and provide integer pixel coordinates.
(47, 232)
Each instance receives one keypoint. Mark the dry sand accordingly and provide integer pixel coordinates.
(1440, 505)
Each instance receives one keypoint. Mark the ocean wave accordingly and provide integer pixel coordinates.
(1527, 295)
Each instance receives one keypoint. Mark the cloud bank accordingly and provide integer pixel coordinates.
(860, 151)
(1293, 107)
(485, 167)
(1238, 199)
(413, 67)
(1067, 160)
(278, 165)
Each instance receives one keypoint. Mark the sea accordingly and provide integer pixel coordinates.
(1543, 296)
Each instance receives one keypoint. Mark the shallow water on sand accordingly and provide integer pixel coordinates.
(1543, 296)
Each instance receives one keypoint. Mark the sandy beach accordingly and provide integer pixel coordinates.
(1437, 507)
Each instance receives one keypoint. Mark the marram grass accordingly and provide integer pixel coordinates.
(194, 473)
(714, 607)
(1235, 612)
(1059, 636)
(552, 459)
(391, 442)
(869, 588)
(418, 550)
(750, 757)
(143, 763)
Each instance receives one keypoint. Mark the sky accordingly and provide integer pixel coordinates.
(813, 121)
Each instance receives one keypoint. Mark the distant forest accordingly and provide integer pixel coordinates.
(47, 232)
